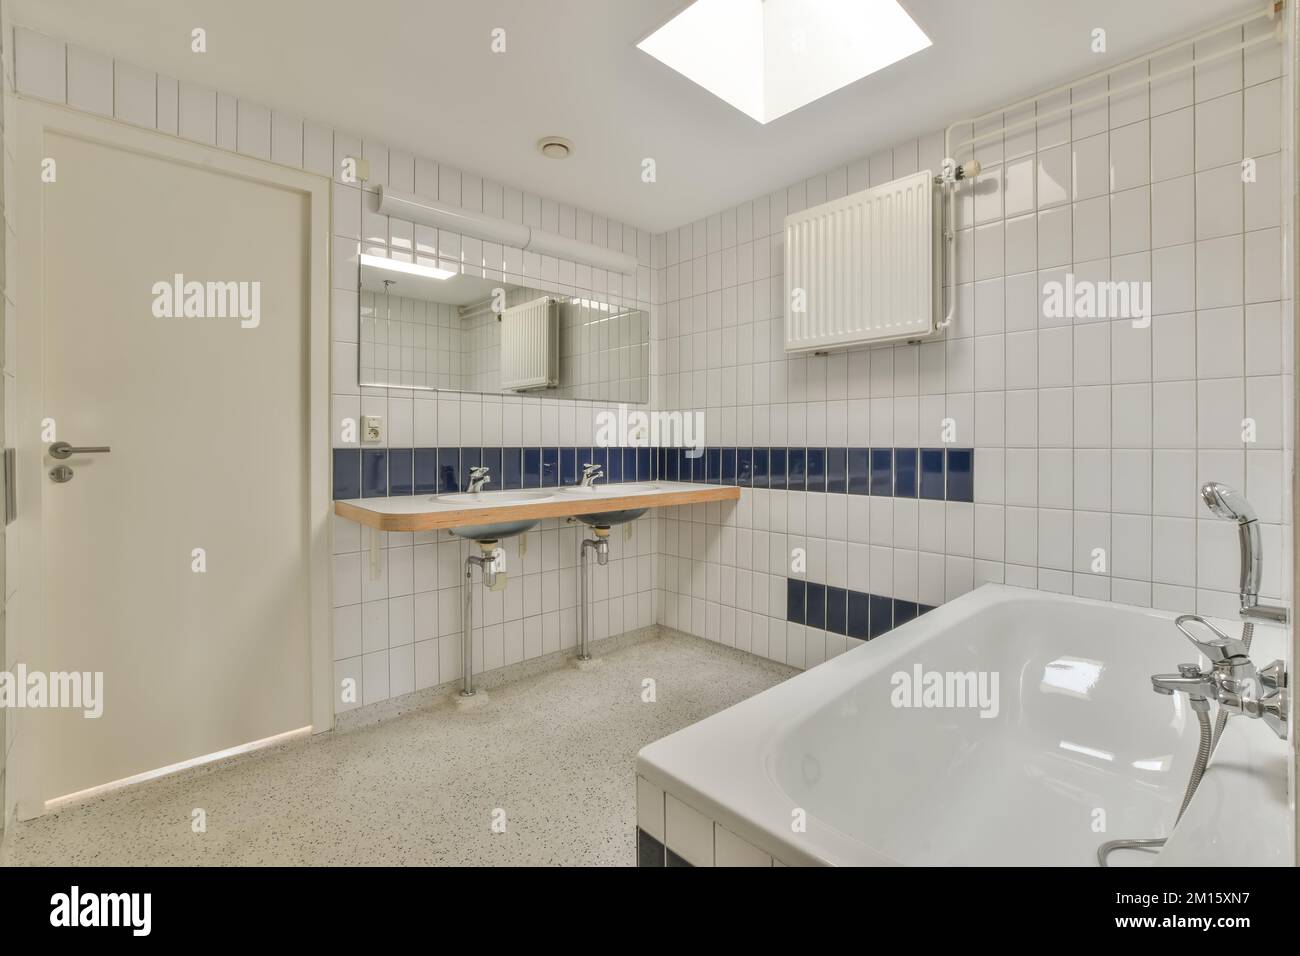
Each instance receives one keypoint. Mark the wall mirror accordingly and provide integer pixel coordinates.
(421, 327)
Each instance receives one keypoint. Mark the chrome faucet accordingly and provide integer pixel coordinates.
(1228, 503)
(590, 473)
(1232, 679)
(478, 477)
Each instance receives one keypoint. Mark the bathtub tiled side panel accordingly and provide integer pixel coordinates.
(731, 850)
(687, 832)
(672, 833)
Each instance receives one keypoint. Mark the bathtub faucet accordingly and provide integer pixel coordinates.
(1232, 678)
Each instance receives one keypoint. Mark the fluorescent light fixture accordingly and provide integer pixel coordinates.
(409, 268)
(769, 57)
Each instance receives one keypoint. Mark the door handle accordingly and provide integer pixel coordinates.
(61, 449)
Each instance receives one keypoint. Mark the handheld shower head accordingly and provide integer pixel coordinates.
(1226, 502)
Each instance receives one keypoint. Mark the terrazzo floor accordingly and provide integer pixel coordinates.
(554, 751)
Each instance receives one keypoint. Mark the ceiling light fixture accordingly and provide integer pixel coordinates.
(555, 147)
(769, 57)
(409, 268)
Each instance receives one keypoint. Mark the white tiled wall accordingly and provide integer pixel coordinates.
(1087, 433)
(399, 631)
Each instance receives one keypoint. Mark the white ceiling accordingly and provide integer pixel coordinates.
(419, 75)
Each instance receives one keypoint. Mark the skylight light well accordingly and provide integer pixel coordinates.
(770, 57)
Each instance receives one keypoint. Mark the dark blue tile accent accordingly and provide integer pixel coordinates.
(532, 468)
(817, 469)
(816, 613)
(347, 473)
(796, 469)
(932, 474)
(794, 600)
(882, 614)
(837, 470)
(837, 610)
(448, 470)
(859, 471)
(512, 468)
(882, 471)
(904, 611)
(961, 474)
(776, 464)
(924, 609)
(550, 467)
(426, 471)
(401, 471)
(859, 615)
(693, 459)
(374, 472)
(904, 472)
(760, 467)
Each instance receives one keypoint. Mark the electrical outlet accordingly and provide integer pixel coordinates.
(372, 428)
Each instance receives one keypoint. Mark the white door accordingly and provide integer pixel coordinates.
(177, 563)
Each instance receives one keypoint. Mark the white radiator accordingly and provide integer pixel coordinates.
(862, 269)
(530, 345)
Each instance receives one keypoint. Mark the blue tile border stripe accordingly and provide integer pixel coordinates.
(934, 474)
(841, 611)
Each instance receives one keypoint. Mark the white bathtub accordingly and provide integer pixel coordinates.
(1080, 751)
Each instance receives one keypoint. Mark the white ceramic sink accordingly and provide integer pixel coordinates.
(612, 491)
(489, 499)
(604, 519)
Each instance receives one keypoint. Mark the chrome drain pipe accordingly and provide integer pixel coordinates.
(599, 544)
(492, 578)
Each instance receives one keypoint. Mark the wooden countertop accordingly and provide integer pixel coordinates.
(427, 513)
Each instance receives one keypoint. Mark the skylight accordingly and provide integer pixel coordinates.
(769, 57)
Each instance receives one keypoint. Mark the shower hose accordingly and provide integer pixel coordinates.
(1209, 740)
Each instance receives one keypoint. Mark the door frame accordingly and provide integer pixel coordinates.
(27, 632)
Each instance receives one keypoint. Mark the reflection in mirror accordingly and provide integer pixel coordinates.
(433, 329)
